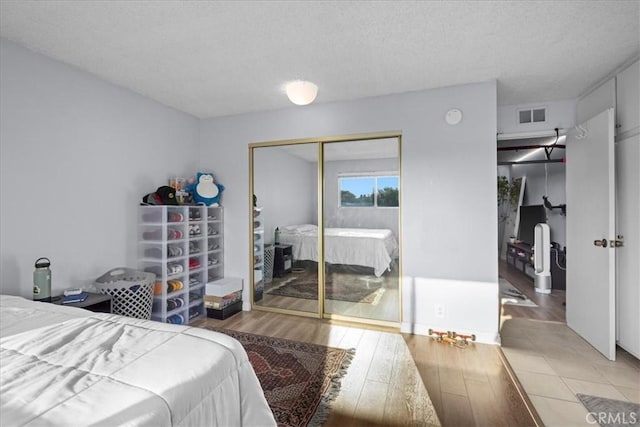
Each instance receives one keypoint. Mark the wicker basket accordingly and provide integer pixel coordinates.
(131, 291)
(268, 263)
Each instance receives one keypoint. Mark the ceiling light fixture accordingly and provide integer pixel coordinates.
(301, 92)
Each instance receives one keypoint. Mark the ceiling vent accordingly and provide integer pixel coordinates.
(532, 115)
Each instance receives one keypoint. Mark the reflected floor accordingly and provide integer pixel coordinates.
(351, 290)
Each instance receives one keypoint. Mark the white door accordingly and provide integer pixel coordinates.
(590, 184)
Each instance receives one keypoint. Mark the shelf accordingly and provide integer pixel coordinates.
(156, 223)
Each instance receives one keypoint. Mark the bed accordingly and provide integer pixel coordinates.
(375, 248)
(68, 366)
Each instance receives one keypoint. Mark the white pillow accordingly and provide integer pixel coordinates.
(300, 228)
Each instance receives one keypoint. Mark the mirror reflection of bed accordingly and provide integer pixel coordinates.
(361, 223)
(361, 272)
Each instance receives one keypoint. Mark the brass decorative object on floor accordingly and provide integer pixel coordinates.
(452, 338)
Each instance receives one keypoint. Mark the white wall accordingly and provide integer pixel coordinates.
(449, 212)
(334, 216)
(77, 155)
(286, 187)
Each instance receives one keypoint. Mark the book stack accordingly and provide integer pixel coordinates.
(218, 303)
(223, 297)
(80, 297)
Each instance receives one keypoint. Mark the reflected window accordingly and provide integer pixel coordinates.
(369, 191)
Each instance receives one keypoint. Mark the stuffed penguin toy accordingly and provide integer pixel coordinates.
(206, 190)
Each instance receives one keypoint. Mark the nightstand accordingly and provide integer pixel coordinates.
(98, 303)
(282, 260)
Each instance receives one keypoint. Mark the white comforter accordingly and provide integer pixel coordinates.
(103, 369)
(352, 246)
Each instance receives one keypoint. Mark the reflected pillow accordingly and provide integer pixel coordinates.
(300, 228)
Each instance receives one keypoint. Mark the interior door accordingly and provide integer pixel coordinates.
(590, 185)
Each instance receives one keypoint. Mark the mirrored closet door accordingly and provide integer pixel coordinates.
(326, 227)
(361, 229)
(285, 226)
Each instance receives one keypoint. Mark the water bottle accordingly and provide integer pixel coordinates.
(42, 280)
(277, 236)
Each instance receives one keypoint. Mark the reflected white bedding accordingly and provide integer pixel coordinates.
(88, 368)
(367, 247)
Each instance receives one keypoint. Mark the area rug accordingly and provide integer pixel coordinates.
(299, 379)
(510, 295)
(610, 412)
(352, 288)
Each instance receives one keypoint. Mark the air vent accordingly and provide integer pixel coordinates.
(532, 115)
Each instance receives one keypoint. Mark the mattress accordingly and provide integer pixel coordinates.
(366, 247)
(75, 367)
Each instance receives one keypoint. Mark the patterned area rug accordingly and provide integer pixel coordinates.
(352, 288)
(299, 379)
(510, 295)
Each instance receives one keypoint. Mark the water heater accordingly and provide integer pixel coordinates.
(542, 259)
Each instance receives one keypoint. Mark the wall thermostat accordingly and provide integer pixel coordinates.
(453, 116)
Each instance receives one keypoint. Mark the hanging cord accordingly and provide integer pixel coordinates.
(558, 262)
(546, 180)
(548, 152)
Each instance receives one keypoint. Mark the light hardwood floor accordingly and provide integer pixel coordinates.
(385, 384)
(550, 307)
(387, 380)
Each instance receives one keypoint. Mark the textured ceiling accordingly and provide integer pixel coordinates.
(219, 58)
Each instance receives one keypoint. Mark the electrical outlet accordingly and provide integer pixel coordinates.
(439, 311)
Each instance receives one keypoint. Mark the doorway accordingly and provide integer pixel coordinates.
(326, 227)
(537, 165)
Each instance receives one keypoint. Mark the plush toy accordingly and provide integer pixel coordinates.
(206, 190)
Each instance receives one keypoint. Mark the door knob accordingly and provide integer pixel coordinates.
(602, 243)
(616, 243)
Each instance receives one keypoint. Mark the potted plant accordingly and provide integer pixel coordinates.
(508, 196)
(508, 201)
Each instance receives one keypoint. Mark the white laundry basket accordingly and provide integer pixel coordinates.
(131, 291)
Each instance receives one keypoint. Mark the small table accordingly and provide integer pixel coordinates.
(98, 303)
(282, 260)
(520, 255)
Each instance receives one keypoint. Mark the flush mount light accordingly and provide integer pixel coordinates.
(301, 92)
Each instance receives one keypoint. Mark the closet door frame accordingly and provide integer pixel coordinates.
(320, 313)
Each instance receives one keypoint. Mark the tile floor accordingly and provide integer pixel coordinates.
(553, 364)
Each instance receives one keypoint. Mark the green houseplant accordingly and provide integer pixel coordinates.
(508, 197)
